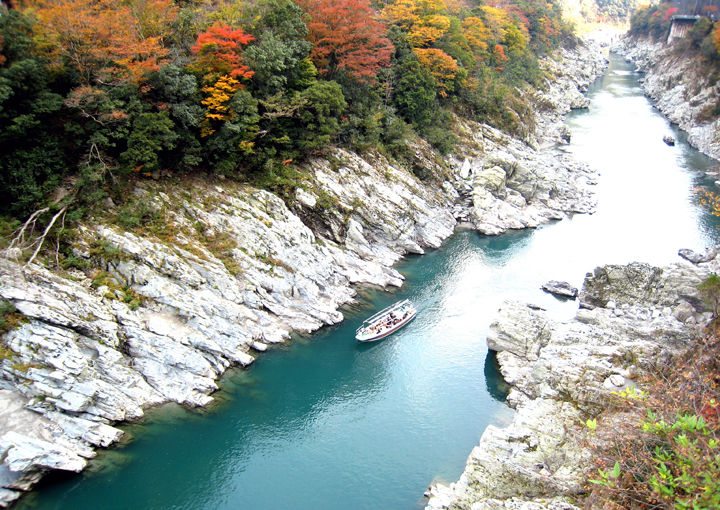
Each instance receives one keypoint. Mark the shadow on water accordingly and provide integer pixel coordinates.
(497, 388)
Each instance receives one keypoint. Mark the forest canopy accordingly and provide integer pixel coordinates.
(95, 93)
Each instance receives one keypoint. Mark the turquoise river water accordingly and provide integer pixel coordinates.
(327, 423)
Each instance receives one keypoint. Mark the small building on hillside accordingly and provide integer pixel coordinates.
(680, 26)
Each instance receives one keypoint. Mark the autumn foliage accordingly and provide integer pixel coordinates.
(216, 102)
(441, 66)
(346, 36)
(660, 447)
(105, 40)
(243, 88)
(219, 52)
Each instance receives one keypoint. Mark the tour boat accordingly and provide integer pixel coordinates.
(669, 140)
(386, 321)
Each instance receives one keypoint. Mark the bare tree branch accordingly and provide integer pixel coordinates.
(18, 242)
(41, 239)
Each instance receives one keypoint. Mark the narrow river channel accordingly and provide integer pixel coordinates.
(327, 423)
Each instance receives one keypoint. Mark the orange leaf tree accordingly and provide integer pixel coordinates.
(442, 66)
(346, 36)
(499, 55)
(108, 42)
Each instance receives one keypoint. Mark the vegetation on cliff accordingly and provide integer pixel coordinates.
(660, 448)
(704, 37)
(95, 93)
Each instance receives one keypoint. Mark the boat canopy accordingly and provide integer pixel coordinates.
(397, 306)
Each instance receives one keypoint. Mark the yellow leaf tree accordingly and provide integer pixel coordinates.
(441, 65)
(218, 97)
(497, 21)
(476, 34)
(428, 30)
(425, 20)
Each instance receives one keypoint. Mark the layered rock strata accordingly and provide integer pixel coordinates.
(158, 317)
(563, 373)
(681, 89)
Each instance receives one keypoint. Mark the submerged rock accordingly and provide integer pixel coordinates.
(560, 289)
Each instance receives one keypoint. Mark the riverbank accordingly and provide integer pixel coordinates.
(680, 86)
(563, 374)
(157, 314)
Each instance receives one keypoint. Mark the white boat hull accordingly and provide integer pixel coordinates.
(376, 330)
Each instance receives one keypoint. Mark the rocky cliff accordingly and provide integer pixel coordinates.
(564, 373)
(682, 89)
(157, 314)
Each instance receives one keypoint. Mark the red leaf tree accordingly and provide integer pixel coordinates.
(670, 12)
(219, 53)
(347, 36)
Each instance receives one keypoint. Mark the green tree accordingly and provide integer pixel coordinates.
(323, 104)
(710, 292)
(151, 133)
(229, 148)
(178, 91)
(414, 92)
(35, 150)
(280, 57)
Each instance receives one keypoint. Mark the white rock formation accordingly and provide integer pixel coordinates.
(160, 320)
(562, 373)
(570, 74)
(516, 184)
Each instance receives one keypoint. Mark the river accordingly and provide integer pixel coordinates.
(328, 423)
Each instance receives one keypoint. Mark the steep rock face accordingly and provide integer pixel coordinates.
(515, 188)
(516, 184)
(85, 359)
(158, 317)
(382, 212)
(570, 74)
(563, 373)
(682, 91)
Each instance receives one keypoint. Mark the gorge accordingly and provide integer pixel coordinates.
(109, 362)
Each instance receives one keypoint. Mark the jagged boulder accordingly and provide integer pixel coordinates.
(560, 289)
(643, 283)
(519, 329)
